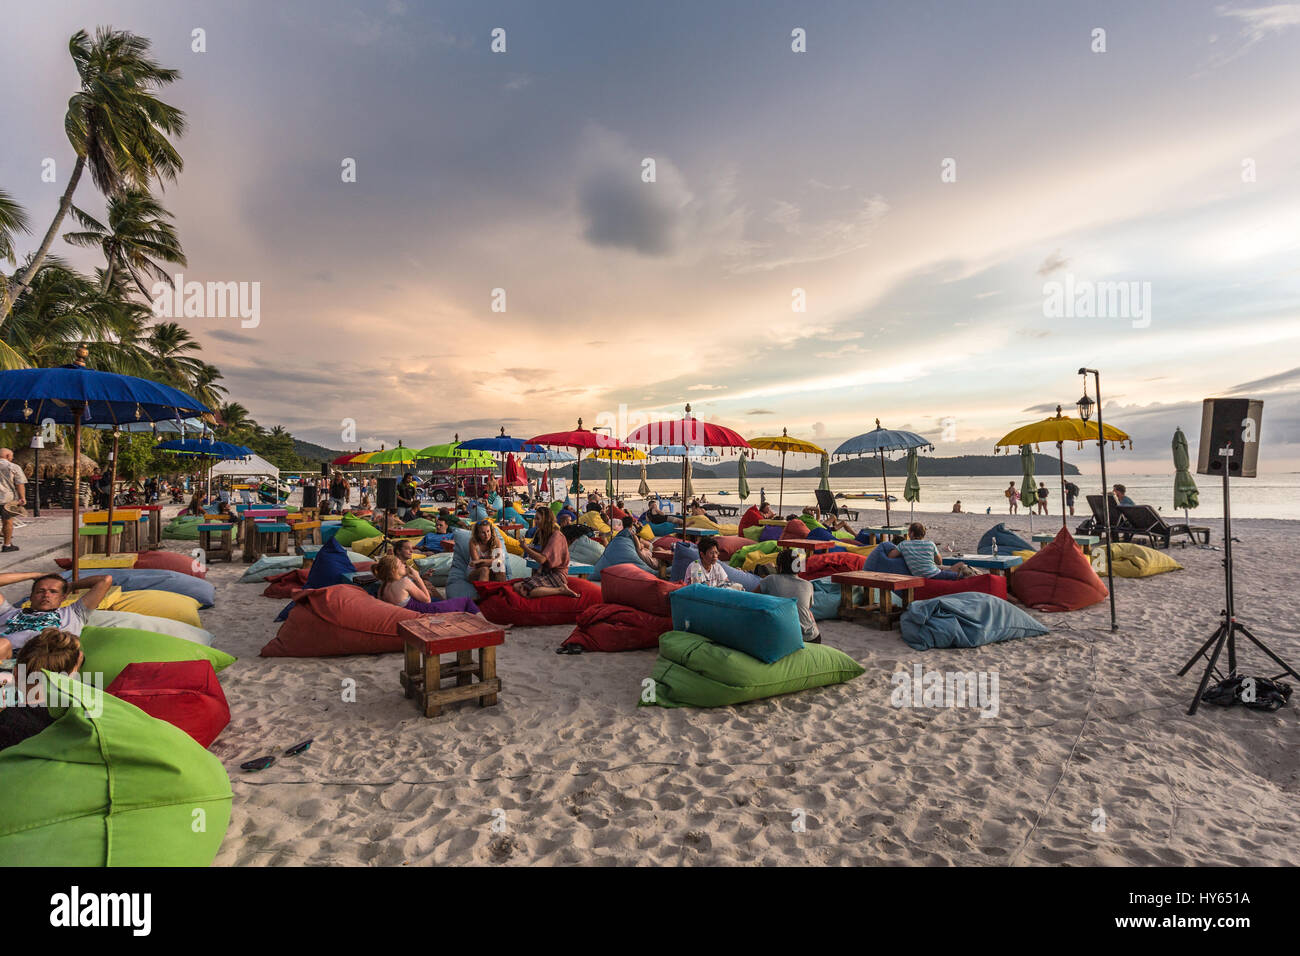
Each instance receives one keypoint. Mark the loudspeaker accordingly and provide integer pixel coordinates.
(386, 496)
(310, 496)
(324, 469)
(1230, 428)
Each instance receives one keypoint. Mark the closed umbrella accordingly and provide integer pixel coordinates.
(688, 490)
(609, 481)
(1186, 494)
(617, 456)
(877, 442)
(548, 457)
(742, 487)
(643, 489)
(785, 445)
(1028, 490)
(912, 490)
(825, 483)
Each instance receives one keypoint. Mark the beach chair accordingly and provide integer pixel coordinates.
(1119, 529)
(1145, 521)
(826, 503)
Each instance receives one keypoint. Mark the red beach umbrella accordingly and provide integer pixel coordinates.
(578, 438)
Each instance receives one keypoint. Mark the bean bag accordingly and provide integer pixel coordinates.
(175, 607)
(964, 620)
(879, 562)
(150, 579)
(820, 534)
(310, 551)
(270, 565)
(1134, 561)
(825, 563)
(762, 626)
(637, 588)
(665, 542)
(457, 585)
(752, 532)
(149, 622)
(794, 529)
(750, 519)
(729, 544)
(285, 585)
(1008, 541)
(585, 551)
(437, 566)
(109, 787)
(366, 546)
(1057, 578)
(183, 528)
(614, 627)
(593, 520)
(700, 521)
(186, 694)
(693, 671)
(742, 577)
(500, 604)
(645, 533)
(826, 600)
(171, 561)
(109, 649)
(661, 528)
(424, 524)
(328, 566)
(751, 554)
(353, 529)
(684, 553)
(770, 533)
(336, 620)
(620, 550)
(994, 584)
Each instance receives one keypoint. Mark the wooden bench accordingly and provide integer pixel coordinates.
(93, 539)
(428, 637)
(272, 537)
(224, 547)
(811, 545)
(882, 609)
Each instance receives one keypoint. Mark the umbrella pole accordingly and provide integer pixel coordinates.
(76, 489)
(112, 484)
(885, 481)
(1060, 452)
(780, 493)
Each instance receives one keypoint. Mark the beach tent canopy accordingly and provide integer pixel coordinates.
(252, 466)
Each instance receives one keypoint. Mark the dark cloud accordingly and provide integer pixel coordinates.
(622, 211)
(760, 411)
(237, 338)
(1053, 263)
(1282, 380)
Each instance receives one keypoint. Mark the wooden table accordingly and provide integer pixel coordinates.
(882, 609)
(999, 565)
(1085, 541)
(428, 637)
(808, 544)
(155, 524)
(876, 535)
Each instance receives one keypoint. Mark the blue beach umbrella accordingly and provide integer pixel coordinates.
(879, 441)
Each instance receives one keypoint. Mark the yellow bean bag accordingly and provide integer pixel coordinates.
(592, 519)
(700, 521)
(1134, 561)
(100, 561)
(645, 533)
(756, 557)
(513, 545)
(177, 607)
(366, 546)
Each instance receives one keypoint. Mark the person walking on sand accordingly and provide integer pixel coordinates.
(13, 495)
(1042, 498)
(1012, 497)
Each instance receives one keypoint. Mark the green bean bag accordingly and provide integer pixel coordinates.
(424, 524)
(356, 529)
(741, 558)
(693, 671)
(183, 527)
(109, 649)
(108, 785)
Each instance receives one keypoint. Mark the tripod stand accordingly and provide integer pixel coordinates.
(1229, 627)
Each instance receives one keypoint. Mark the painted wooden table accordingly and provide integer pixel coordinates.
(426, 638)
(882, 608)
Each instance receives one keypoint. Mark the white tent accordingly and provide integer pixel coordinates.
(254, 466)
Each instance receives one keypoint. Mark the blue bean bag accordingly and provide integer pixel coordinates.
(763, 626)
(457, 586)
(1008, 541)
(878, 562)
(586, 551)
(826, 600)
(742, 577)
(820, 534)
(661, 528)
(621, 550)
(329, 565)
(969, 619)
(157, 579)
(684, 553)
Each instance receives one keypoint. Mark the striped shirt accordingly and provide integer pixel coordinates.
(922, 557)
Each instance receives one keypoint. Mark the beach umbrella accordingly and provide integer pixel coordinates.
(643, 489)
(209, 451)
(686, 453)
(1060, 429)
(500, 445)
(742, 483)
(1186, 494)
(546, 481)
(1028, 490)
(548, 457)
(393, 456)
(688, 431)
(345, 459)
(515, 475)
(76, 395)
(786, 445)
(580, 438)
(617, 456)
(912, 490)
(878, 441)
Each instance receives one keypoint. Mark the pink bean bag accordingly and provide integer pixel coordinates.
(637, 588)
(500, 604)
(340, 619)
(1058, 578)
(615, 627)
(186, 694)
(170, 561)
(729, 544)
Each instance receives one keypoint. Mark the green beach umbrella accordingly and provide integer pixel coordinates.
(1028, 490)
(643, 489)
(1186, 494)
(609, 481)
(742, 487)
(912, 490)
(825, 483)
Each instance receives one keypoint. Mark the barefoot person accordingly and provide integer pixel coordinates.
(400, 585)
(923, 558)
(13, 495)
(550, 549)
(486, 554)
(17, 626)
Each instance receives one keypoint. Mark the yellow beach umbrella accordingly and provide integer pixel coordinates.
(1060, 429)
(786, 445)
(617, 455)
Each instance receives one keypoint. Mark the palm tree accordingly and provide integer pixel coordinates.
(116, 125)
(169, 344)
(237, 422)
(13, 219)
(204, 386)
(138, 236)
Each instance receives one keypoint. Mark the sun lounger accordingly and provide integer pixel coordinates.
(826, 504)
(1097, 524)
(1145, 521)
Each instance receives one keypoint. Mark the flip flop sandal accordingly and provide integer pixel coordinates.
(569, 649)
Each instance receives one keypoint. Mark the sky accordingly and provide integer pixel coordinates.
(924, 179)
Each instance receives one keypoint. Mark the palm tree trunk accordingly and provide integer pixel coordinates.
(65, 202)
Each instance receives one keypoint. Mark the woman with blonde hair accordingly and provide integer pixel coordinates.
(550, 549)
(22, 709)
(400, 585)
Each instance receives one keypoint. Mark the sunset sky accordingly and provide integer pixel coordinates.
(776, 171)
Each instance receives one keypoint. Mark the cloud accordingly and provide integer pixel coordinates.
(819, 429)
(760, 411)
(1282, 381)
(1052, 263)
(1259, 22)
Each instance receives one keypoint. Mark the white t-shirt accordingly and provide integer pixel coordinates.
(11, 476)
(714, 577)
(21, 626)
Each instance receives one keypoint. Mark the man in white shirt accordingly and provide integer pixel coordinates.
(708, 569)
(13, 494)
(18, 626)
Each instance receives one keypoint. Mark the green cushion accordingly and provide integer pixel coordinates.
(183, 527)
(752, 532)
(109, 649)
(109, 787)
(693, 671)
(424, 524)
(356, 529)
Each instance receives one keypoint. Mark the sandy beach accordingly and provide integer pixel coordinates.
(1090, 758)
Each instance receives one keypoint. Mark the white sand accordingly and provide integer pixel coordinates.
(577, 773)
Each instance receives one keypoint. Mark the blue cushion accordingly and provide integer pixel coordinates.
(826, 599)
(742, 577)
(684, 553)
(157, 579)
(879, 563)
(1008, 541)
(770, 532)
(820, 534)
(761, 625)
(661, 528)
(621, 550)
(329, 529)
(967, 619)
(329, 565)
(586, 551)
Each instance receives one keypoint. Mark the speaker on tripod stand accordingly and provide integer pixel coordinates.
(1229, 448)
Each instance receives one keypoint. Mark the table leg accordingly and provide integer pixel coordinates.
(846, 601)
(487, 668)
(432, 684)
(886, 604)
(464, 659)
(411, 669)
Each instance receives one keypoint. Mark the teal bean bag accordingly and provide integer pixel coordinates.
(761, 625)
(693, 671)
(457, 586)
(965, 619)
(621, 550)
(585, 551)
(108, 785)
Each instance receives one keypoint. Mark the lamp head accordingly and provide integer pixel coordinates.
(1085, 407)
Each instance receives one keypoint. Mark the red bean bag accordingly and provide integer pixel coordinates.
(1057, 578)
(186, 694)
(729, 544)
(637, 588)
(994, 584)
(615, 627)
(285, 585)
(752, 516)
(831, 562)
(171, 561)
(794, 528)
(667, 542)
(500, 603)
(339, 619)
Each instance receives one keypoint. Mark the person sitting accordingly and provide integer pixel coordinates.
(784, 582)
(755, 515)
(486, 554)
(226, 513)
(550, 549)
(923, 559)
(654, 515)
(195, 507)
(571, 529)
(643, 549)
(956, 508)
(616, 511)
(18, 626)
(23, 712)
(1121, 495)
(708, 570)
(401, 585)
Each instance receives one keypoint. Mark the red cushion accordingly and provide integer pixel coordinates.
(184, 693)
(994, 584)
(794, 528)
(171, 561)
(339, 619)
(1057, 578)
(635, 587)
(665, 543)
(500, 603)
(831, 562)
(729, 544)
(285, 585)
(752, 516)
(614, 627)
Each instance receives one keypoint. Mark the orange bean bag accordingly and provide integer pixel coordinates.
(1057, 578)
(637, 588)
(831, 562)
(794, 528)
(500, 604)
(171, 561)
(285, 585)
(339, 619)
(615, 627)
(729, 544)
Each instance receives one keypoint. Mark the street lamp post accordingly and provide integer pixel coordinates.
(1085, 412)
(37, 444)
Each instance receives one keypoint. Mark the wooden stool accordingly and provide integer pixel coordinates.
(883, 609)
(225, 546)
(154, 537)
(272, 537)
(429, 636)
(93, 539)
(305, 532)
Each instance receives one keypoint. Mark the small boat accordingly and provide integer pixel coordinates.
(864, 496)
(724, 492)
